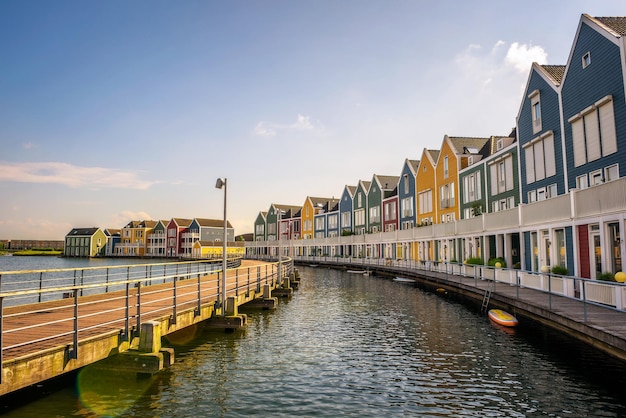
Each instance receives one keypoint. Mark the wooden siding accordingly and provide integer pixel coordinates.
(584, 86)
(476, 168)
(425, 180)
(550, 121)
(452, 179)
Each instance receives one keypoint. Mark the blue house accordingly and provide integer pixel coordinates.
(406, 194)
(345, 210)
(594, 119)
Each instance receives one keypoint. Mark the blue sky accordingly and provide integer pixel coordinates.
(112, 111)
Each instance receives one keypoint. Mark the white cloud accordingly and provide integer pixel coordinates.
(71, 175)
(29, 145)
(302, 123)
(122, 218)
(521, 56)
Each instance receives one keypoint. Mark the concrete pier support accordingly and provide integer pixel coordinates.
(148, 358)
(284, 291)
(227, 323)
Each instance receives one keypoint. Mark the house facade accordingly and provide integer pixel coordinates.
(85, 242)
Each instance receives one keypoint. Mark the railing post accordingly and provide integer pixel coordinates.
(549, 291)
(174, 310)
(197, 313)
(237, 282)
(73, 354)
(40, 285)
(127, 320)
(106, 289)
(248, 292)
(218, 298)
(138, 326)
(583, 287)
(1, 337)
(82, 281)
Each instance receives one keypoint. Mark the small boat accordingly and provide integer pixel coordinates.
(356, 271)
(403, 280)
(502, 318)
(313, 265)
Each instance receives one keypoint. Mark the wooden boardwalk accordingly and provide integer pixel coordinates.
(43, 340)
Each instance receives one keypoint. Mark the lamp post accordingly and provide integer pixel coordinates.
(280, 266)
(218, 185)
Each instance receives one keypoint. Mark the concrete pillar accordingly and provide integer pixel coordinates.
(150, 337)
(267, 291)
(231, 306)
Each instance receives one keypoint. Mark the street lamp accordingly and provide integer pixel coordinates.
(218, 185)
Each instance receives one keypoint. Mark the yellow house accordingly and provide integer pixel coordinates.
(312, 206)
(452, 158)
(425, 188)
(213, 249)
(133, 238)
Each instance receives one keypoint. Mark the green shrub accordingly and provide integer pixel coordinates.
(492, 262)
(476, 261)
(607, 276)
(517, 265)
(560, 270)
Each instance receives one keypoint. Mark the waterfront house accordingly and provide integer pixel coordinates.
(425, 182)
(175, 229)
(260, 226)
(490, 183)
(594, 120)
(380, 188)
(133, 238)
(406, 194)
(345, 210)
(206, 230)
(113, 239)
(311, 207)
(359, 207)
(156, 243)
(85, 242)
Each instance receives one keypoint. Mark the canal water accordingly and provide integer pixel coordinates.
(352, 345)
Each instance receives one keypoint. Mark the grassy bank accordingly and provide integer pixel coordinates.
(38, 252)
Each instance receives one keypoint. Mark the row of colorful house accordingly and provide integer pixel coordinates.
(187, 238)
(550, 193)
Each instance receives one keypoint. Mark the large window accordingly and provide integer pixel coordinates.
(407, 207)
(359, 217)
(540, 159)
(446, 195)
(472, 187)
(502, 175)
(346, 222)
(390, 211)
(593, 132)
(375, 214)
(405, 183)
(426, 201)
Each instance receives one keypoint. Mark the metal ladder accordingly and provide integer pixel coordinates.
(490, 288)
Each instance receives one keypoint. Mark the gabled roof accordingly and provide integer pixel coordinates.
(466, 145)
(213, 223)
(110, 231)
(351, 190)
(616, 24)
(291, 211)
(365, 184)
(553, 72)
(387, 182)
(413, 165)
(181, 221)
(434, 154)
(85, 232)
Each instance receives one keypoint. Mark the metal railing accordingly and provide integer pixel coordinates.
(610, 295)
(51, 308)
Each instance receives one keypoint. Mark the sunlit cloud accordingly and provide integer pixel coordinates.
(71, 175)
(269, 129)
(29, 145)
(521, 56)
(122, 218)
